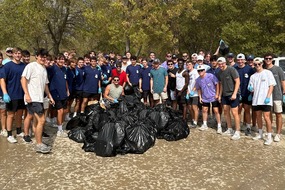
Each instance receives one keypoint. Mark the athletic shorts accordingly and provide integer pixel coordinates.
(264, 108)
(163, 95)
(90, 95)
(146, 93)
(181, 99)
(277, 106)
(2, 103)
(244, 100)
(35, 108)
(227, 101)
(214, 104)
(60, 104)
(193, 101)
(15, 105)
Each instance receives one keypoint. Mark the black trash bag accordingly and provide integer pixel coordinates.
(89, 142)
(143, 114)
(174, 114)
(129, 119)
(139, 137)
(93, 107)
(159, 118)
(104, 144)
(120, 133)
(103, 119)
(93, 120)
(128, 90)
(176, 130)
(77, 134)
(160, 107)
(89, 146)
(224, 48)
(73, 123)
(123, 108)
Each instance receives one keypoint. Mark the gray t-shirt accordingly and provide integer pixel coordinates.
(279, 77)
(227, 79)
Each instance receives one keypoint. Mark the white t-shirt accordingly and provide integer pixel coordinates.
(193, 75)
(36, 76)
(260, 83)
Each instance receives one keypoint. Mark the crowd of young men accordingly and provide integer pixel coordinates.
(44, 90)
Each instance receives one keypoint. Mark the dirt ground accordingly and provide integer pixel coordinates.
(205, 160)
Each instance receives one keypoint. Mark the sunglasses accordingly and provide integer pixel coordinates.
(169, 64)
(116, 80)
(200, 71)
(268, 58)
(257, 64)
(168, 56)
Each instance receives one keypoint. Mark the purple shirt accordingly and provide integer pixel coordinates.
(207, 85)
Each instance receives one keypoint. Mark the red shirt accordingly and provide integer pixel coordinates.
(122, 76)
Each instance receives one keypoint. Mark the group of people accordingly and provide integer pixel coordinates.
(45, 89)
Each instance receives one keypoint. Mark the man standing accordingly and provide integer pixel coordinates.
(278, 92)
(158, 82)
(34, 83)
(229, 96)
(144, 83)
(9, 54)
(13, 93)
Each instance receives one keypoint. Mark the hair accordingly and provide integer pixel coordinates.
(1, 55)
(169, 61)
(50, 57)
(60, 56)
(80, 59)
(16, 49)
(151, 52)
(72, 60)
(87, 56)
(93, 58)
(214, 58)
(180, 60)
(189, 61)
(40, 52)
(133, 57)
(269, 54)
(26, 53)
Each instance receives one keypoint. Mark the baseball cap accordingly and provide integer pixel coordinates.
(174, 56)
(258, 59)
(156, 61)
(124, 57)
(240, 56)
(200, 57)
(221, 59)
(9, 49)
(250, 57)
(230, 55)
(200, 67)
(194, 55)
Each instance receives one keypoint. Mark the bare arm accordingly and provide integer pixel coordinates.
(3, 86)
(48, 94)
(24, 83)
(237, 83)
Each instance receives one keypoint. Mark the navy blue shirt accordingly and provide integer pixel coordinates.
(134, 73)
(2, 74)
(106, 70)
(70, 77)
(12, 74)
(145, 76)
(214, 71)
(244, 75)
(92, 77)
(57, 80)
(79, 79)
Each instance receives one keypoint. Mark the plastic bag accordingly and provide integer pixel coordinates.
(224, 48)
(77, 134)
(128, 90)
(176, 130)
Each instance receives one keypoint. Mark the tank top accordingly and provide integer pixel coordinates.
(115, 92)
(180, 80)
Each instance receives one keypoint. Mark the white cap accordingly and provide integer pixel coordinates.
(200, 57)
(222, 59)
(9, 49)
(200, 67)
(240, 56)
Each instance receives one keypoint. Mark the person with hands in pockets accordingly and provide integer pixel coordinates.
(261, 83)
(35, 83)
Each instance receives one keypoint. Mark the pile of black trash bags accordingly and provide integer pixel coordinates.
(126, 127)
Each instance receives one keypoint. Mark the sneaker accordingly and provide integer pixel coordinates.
(42, 148)
(254, 129)
(277, 138)
(236, 136)
(12, 139)
(247, 132)
(219, 130)
(22, 134)
(45, 135)
(54, 126)
(27, 139)
(48, 120)
(4, 133)
(257, 137)
(203, 127)
(268, 141)
(192, 125)
(61, 134)
(229, 132)
(243, 128)
(67, 118)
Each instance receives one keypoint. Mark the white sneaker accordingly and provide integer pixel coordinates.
(277, 138)
(268, 141)
(203, 127)
(12, 139)
(236, 136)
(74, 114)
(219, 130)
(67, 118)
(4, 133)
(257, 137)
(229, 132)
(61, 134)
(48, 120)
(54, 125)
(22, 134)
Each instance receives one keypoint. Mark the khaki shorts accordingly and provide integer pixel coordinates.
(163, 95)
(277, 106)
